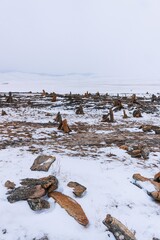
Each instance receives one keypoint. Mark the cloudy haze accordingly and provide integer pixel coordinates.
(117, 38)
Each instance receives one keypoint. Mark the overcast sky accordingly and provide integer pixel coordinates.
(117, 38)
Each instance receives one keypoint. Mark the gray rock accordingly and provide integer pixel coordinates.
(38, 204)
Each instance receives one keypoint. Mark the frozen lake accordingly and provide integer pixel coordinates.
(75, 83)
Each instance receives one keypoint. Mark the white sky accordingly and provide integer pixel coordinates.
(117, 38)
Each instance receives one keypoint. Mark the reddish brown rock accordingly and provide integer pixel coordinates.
(124, 147)
(157, 177)
(54, 97)
(135, 153)
(10, 185)
(78, 189)
(42, 163)
(155, 195)
(64, 126)
(139, 177)
(71, 206)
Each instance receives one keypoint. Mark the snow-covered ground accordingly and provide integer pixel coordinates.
(108, 179)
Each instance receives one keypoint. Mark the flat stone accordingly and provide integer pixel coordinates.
(71, 206)
(42, 163)
(25, 192)
(38, 204)
(78, 189)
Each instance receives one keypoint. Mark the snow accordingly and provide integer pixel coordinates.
(76, 83)
(110, 189)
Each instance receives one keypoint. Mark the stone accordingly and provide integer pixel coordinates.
(134, 98)
(71, 206)
(105, 118)
(137, 113)
(9, 98)
(33, 188)
(38, 204)
(124, 114)
(49, 183)
(146, 128)
(25, 192)
(42, 163)
(10, 185)
(157, 177)
(80, 110)
(48, 114)
(154, 98)
(145, 153)
(87, 95)
(43, 93)
(139, 177)
(124, 147)
(78, 189)
(117, 104)
(157, 130)
(155, 195)
(135, 153)
(64, 126)
(54, 97)
(58, 118)
(3, 113)
(119, 230)
(108, 117)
